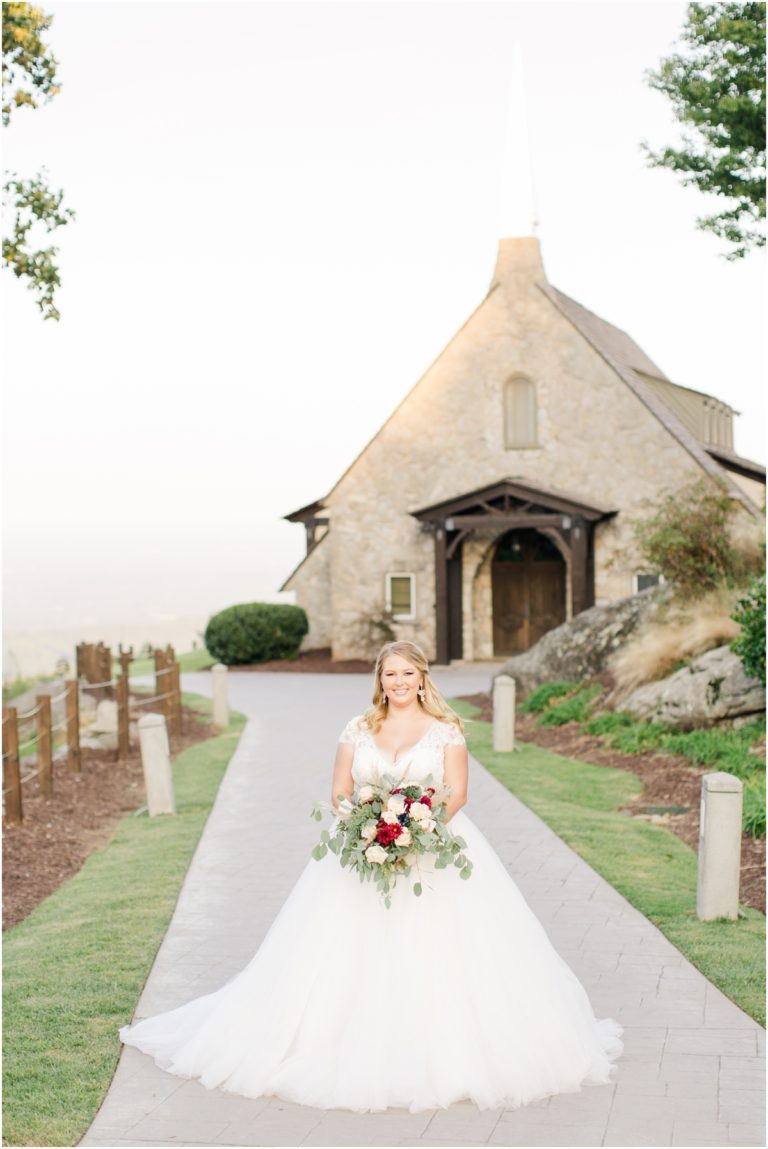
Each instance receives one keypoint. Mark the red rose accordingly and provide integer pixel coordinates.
(386, 832)
(427, 801)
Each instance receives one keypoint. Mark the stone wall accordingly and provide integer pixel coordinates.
(312, 584)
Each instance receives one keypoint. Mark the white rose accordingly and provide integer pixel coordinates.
(389, 817)
(427, 825)
(366, 794)
(405, 838)
(396, 804)
(376, 854)
(419, 810)
(368, 831)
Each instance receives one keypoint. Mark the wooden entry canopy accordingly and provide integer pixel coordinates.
(503, 506)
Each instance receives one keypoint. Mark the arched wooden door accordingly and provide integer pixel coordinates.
(528, 582)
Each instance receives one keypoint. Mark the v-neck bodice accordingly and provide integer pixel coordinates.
(425, 757)
(408, 750)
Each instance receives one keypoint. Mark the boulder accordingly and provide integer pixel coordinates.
(712, 688)
(581, 648)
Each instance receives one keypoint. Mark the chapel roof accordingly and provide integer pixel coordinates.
(631, 363)
(620, 351)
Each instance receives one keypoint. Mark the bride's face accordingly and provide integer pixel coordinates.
(400, 681)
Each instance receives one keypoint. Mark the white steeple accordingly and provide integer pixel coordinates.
(517, 214)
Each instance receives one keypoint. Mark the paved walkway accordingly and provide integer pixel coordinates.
(693, 1068)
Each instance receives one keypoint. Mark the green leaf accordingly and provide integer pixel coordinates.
(417, 889)
(465, 873)
(319, 852)
(325, 837)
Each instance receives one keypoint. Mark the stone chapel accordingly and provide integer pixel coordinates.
(550, 433)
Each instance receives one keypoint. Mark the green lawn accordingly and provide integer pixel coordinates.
(74, 969)
(653, 868)
(188, 661)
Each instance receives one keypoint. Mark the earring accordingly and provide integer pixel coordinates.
(421, 693)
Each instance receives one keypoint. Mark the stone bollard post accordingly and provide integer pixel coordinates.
(156, 763)
(504, 712)
(220, 700)
(717, 894)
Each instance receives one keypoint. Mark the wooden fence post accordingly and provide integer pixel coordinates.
(44, 745)
(125, 658)
(73, 727)
(123, 719)
(164, 686)
(175, 677)
(11, 772)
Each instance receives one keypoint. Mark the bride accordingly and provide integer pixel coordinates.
(454, 995)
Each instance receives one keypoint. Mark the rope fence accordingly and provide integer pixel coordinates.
(94, 664)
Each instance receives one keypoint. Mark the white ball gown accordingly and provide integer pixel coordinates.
(454, 995)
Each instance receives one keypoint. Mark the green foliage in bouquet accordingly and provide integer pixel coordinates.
(255, 632)
(384, 829)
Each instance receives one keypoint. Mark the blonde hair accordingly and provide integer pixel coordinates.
(433, 702)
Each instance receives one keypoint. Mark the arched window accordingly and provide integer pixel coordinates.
(520, 428)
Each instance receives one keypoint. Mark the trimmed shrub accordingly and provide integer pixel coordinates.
(750, 644)
(255, 632)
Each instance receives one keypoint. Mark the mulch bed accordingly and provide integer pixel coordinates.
(312, 662)
(668, 780)
(59, 833)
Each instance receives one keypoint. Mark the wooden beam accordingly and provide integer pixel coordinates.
(441, 596)
(478, 522)
(579, 588)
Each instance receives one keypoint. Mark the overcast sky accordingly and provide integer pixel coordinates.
(284, 211)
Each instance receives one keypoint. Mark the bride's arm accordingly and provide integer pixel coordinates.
(456, 775)
(342, 772)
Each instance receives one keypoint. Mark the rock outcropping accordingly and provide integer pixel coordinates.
(712, 688)
(582, 647)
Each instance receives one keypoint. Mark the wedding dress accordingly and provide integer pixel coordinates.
(456, 994)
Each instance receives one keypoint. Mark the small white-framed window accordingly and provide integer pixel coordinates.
(400, 594)
(641, 580)
(520, 418)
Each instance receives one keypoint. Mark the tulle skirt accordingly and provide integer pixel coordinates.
(454, 995)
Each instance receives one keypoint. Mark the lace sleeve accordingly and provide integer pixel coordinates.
(350, 731)
(452, 735)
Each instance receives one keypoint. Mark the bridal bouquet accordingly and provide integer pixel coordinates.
(385, 827)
